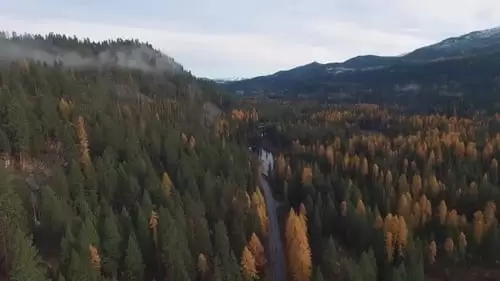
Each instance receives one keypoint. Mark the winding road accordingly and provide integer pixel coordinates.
(275, 244)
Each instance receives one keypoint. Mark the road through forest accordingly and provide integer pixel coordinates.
(275, 245)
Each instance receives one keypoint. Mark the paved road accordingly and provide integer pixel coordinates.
(277, 257)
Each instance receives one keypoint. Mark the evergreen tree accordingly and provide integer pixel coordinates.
(329, 260)
(228, 266)
(110, 244)
(25, 263)
(133, 267)
(76, 269)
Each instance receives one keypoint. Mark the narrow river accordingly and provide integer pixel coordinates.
(275, 245)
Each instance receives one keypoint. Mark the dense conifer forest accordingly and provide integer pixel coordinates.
(121, 174)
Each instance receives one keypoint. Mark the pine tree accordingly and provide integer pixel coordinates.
(76, 269)
(110, 244)
(368, 266)
(25, 263)
(229, 269)
(317, 275)
(329, 259)
(52, 212)
(133, 267)
(174, 247)
(66, 246)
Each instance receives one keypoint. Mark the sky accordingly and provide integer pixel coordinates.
(230, 38)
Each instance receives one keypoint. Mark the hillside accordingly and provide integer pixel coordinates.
(78, 53)
(109, 172)
(464, 66)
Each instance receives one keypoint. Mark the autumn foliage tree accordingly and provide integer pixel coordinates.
(298, 250)
(257, 250)
(248, 265)
(83, 143)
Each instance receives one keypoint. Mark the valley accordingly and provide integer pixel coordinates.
(118, 164)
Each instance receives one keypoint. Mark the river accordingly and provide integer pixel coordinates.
(275, 245)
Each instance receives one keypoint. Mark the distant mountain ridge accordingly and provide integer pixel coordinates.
(357, 76)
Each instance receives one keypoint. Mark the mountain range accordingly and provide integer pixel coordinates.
(467, 66)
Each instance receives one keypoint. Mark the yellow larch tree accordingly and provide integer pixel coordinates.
(403, 186)
(426, 208)
(432, 251)
(442, 212)
(95, 258)
(416, 185)
(202, 265)
(360, 208)
(389, 246)
(452, 219)
(478, 227)
(167, 184)
(153, 224)
(259, 204)
(404, 205)
(65, 109)
(449, 246)
(402, 235)
(83, 143)
(257, 250)
(248, 264)
(280, 167)
(364, 166)
(298, 250)
(490, 214)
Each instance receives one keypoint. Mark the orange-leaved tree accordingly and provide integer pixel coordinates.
(298, 250)
(248, 264)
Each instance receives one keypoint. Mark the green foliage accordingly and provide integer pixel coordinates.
(133, 267)
(110, 244)
(109, 217)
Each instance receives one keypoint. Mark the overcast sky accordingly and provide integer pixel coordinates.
(236, 38)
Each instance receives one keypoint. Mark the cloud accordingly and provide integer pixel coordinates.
(223, 38)
(238, 50)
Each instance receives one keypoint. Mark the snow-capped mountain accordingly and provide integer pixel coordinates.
(473, 43)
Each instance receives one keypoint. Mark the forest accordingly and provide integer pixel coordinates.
(117, 173)
(121, 174)
(377, 193)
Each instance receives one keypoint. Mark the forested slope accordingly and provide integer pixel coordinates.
(378, 193)
(121, 174)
